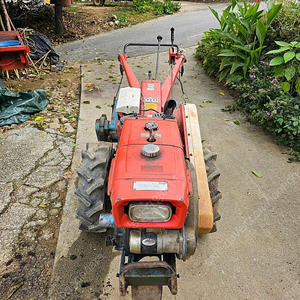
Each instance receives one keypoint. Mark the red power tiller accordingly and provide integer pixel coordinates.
(149, 179)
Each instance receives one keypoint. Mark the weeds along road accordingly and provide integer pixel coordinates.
(255, 252)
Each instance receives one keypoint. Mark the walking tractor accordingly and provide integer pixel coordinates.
(149, 179)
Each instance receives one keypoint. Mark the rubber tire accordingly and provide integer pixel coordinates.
(92, 185)
(213, 174)
(98, 2)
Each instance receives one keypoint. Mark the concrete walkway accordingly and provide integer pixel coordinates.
(32, 194)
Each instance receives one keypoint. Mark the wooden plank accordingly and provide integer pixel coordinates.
(197, 159)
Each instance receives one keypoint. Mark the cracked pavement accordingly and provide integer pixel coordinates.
(33, 183)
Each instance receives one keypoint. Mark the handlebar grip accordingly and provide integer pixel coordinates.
(172, 35)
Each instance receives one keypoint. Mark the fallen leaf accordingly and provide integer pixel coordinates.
(42, 205)
(213, 118)
(227, 108)
(226, 120)
(43, 133)
(72, 144)
(221, 93)
(86, 102)
(98, 106)
(90, 90)
(201, 105)
(3, 137)
(98, 78)
(89, 84)
(39, 118)
(257, 174)
(236, 122)
(14, 288)
(42, 73)
(207, 101)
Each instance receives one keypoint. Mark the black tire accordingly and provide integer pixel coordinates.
(92, 185)
(98, 2)
(213, 174)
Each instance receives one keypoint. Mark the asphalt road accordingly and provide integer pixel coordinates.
(189, 24)
(255, 252)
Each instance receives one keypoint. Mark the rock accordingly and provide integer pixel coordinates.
(117, 22)
(55, 124)
(47, 234)
(69, 128)
(64, 120)
(54, 212)
(111, 24)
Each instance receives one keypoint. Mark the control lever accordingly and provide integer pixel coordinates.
(159, 39)
(172, 35)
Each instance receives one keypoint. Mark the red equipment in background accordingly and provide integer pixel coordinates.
(14, 56)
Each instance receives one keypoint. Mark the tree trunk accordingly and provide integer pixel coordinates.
(59, 27)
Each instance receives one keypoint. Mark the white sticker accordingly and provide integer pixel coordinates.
(149, 99)
(150, 87)
(150, 186)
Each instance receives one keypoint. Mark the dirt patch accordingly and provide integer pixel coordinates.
(63, 91)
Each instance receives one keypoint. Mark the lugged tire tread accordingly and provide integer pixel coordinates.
(91, 192)
(213, 174)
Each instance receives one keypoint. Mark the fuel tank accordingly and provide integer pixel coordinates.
(149, 168)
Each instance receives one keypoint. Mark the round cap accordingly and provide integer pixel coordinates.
(150, 150)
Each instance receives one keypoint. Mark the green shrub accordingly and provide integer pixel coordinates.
(287, 24)
(287, 62)
(159, 8)
(240, 39)
(211, 43)
(258, 88)
(281, 117)
(262, 96)
(167, 7)
(244, 52)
